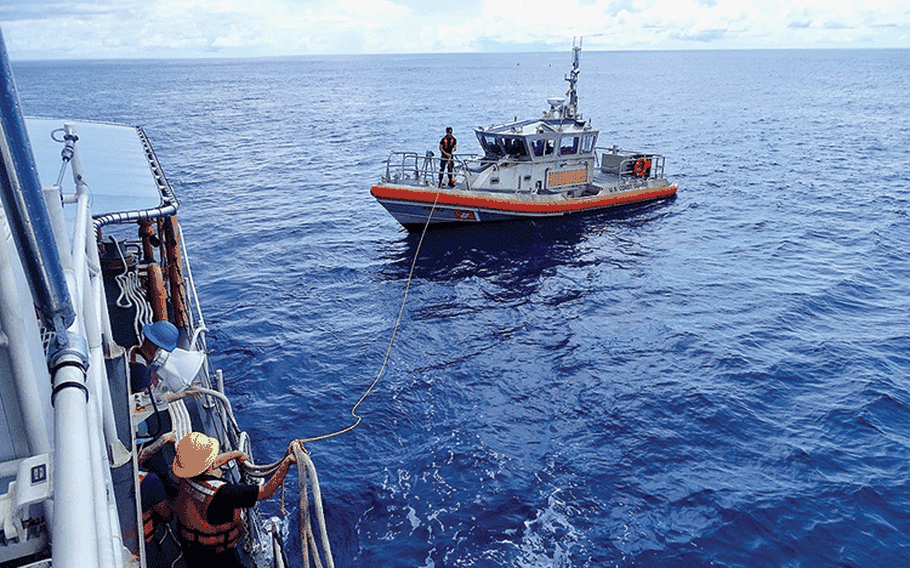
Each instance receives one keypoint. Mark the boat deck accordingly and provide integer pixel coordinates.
(613, 171)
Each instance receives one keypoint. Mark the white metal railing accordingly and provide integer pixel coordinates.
(90, 314)
(625, 167)
(413, 169)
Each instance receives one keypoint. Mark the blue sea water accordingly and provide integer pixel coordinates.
(716, 380)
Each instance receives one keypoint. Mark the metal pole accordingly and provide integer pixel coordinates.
(74, 526)
(75, 539)
(24, 202)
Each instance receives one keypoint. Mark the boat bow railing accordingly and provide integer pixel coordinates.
(411, 168)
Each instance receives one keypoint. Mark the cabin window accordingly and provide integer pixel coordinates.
(543, 147)
(568, 145)
(490, 146)
(587, 143)
(515, 147)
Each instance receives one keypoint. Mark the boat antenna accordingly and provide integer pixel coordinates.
(572, 77)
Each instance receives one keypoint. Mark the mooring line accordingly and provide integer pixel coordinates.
(388, 352)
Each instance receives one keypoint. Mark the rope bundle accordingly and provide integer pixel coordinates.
(132, 293)
(306, 476)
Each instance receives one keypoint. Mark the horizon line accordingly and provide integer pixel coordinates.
(14, 58)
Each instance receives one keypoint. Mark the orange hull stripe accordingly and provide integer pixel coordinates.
(515, 205)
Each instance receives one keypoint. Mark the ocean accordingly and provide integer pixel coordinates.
(720, 379)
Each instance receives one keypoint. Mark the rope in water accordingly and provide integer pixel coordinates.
(305, 467)
(388, 352)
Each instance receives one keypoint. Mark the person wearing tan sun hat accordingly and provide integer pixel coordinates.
(208, 509)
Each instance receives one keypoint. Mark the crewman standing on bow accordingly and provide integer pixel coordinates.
(447, 152)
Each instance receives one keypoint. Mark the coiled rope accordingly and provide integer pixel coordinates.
(132, 294)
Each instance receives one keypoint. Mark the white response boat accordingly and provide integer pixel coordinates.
(546, 167)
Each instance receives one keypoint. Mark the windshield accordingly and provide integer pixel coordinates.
(568, 145)
(515, 146)
(587, 143)
(490, 146)
(496, 146)
(543, 146)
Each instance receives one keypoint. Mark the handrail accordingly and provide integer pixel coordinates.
(306, 472)
(74, 527)
(100, 409)
(168, 204)
(425, 170)
(626, 167)
(26, 212)
(411, 168)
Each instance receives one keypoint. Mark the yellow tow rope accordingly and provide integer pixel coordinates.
(308, 542)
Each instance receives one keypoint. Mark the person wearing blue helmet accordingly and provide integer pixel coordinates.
(162, 333)
(157, 335)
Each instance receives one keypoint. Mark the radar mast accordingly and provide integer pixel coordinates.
(571, 107)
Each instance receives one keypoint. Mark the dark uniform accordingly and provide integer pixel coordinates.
(447, 151)
(160, 547)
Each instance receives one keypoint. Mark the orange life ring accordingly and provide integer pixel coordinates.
(642, 166)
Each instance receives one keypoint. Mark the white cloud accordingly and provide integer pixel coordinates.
(166, 28)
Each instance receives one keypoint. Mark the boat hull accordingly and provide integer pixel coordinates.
(416, 207)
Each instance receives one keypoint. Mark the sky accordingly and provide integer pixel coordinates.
(110, 29)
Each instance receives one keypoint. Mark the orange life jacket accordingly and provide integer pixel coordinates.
(148, 525)
(192, 505)
(447, 144)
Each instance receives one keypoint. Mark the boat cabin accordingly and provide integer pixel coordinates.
(537, 140)
(554, 153)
